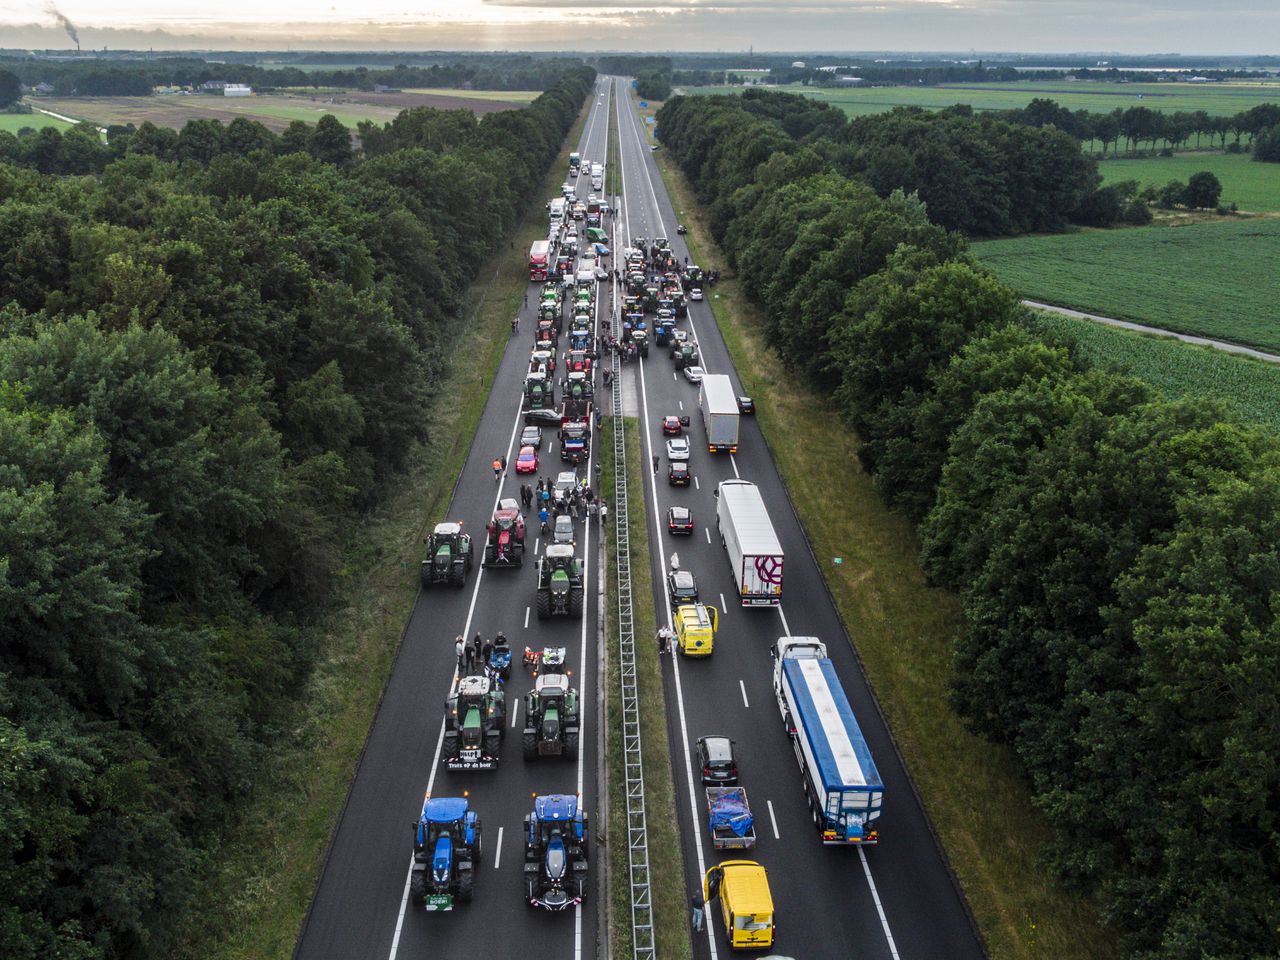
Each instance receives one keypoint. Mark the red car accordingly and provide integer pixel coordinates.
(674, 426)
(527, 460)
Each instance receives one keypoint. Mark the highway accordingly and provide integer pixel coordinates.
(361, 910)
(895, 899)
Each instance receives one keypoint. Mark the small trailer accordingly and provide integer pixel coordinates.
(729, 819)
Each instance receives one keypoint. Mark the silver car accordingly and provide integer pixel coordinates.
(693, 374)
(678, 448)
(563, 532)
(531, 437)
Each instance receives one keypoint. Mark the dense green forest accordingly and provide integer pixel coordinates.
(215, 352)
(1115, 552)
(108, 77)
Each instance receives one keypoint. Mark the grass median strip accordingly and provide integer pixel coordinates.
(670, 916)
(256, 889)
(971, 789)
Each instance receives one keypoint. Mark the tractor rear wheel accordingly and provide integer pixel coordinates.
(530, 745)
(493, 743)
(544, 604)
(571, 744)
(576, 598)
(458, 575)
(426, 577)
(466, 882)
(449, 748)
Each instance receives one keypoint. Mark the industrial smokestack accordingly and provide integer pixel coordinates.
(67, 25)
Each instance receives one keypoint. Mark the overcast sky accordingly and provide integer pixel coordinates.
(1047, 26)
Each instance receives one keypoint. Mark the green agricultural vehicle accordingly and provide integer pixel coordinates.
(561, 591)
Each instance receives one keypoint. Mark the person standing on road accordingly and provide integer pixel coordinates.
(488, 652)
(459, 648)
(477, 646)
(695, 909)
(675, 561)
(526, 296)
(655, 464)
(604, 512)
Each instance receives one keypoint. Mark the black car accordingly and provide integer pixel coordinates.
(678, 474)
(716, 762)
(680, 520)
(542, 418)
(683, 587)
(746, 405)
(681, 229)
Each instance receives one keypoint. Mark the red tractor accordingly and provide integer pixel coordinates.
(504, 546)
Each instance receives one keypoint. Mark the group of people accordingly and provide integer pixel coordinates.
(479, 654)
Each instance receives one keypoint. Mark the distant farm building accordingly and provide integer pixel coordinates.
(237, 90)
(797, 64)
(850, 81)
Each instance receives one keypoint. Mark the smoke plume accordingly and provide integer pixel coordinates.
(67, 25)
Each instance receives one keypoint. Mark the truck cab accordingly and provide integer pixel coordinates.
(696, 625)
(746, 903)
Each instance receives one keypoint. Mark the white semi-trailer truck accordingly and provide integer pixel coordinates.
(748, 538)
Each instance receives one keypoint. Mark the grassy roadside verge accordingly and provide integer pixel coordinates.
(256, 889)
(972, 790)
(671, 931)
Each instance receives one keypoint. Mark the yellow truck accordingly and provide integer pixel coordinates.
(696, 629)
(746, 905)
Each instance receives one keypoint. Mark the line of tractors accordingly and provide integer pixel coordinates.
(448, 836)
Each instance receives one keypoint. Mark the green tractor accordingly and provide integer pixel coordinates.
(561, 591)
(474, 727)
(448, 556)
(551, 712)
(539, 392)
(684, 353)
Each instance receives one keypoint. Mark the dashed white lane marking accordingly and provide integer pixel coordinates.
(743, 687)
(773, 820)
(497, 854)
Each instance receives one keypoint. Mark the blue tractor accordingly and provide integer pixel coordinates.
(555, 855)
(447, 845)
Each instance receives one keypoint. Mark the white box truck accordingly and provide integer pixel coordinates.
(755, 555)
(719, 406)
(597, 176)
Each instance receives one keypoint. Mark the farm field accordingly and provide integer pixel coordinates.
(500, 96)
(276, 112)
(1097, 97)
(13, 122)
(1251, 387)
(1253, 186)
(1215, 279)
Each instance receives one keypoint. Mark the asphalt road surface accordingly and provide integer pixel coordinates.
(361, 909)
(895, 899)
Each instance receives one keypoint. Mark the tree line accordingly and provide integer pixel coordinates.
(137, 78)
(1139, 125)
(1114, 550)
(216, 353)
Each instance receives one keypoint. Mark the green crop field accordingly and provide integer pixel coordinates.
(1223, 99)
(1252, 186)
(502, 96)
(1216, 279)
(13, 122)
(1252, 387)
